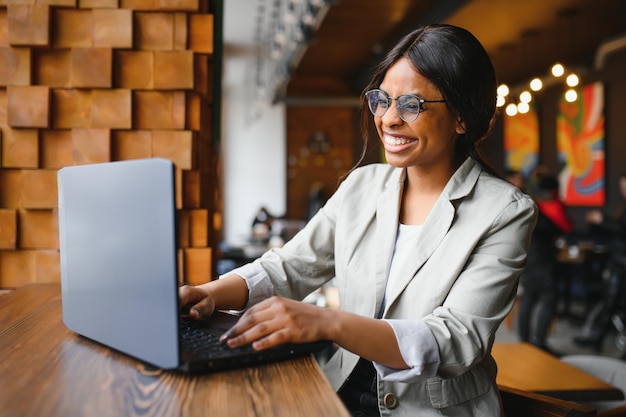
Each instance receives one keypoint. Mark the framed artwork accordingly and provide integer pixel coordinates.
(521, 142)
(580, 147)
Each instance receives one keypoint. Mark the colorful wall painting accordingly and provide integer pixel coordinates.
(580, 147)
(521, 142)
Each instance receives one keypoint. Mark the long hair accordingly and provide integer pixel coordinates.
(457, 64)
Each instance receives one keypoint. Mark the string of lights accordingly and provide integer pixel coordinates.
(517, 100)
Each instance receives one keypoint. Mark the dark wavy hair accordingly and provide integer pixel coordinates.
(457, 64)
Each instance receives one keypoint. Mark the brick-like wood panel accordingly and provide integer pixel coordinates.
(90, 81)
(39, 189)
(28, 24)
(28, 106)
(20, 148)
(15, 65)
(8, 228)
(113, 28)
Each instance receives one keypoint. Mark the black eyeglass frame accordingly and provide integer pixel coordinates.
(400, 110)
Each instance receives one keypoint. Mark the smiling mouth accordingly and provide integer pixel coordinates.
(394, 141)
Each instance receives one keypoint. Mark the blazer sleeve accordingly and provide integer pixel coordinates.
(484, 291)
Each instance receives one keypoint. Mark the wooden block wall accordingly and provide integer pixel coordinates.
(89, 81)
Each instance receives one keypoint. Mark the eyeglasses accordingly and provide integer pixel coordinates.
(408, 106)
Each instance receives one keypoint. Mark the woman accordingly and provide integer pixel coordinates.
(426, 250)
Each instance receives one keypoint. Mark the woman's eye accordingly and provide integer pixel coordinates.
(413, 107)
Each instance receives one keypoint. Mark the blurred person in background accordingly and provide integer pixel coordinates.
(539, 292)
(613, 302)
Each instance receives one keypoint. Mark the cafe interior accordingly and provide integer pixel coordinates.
(257, 103)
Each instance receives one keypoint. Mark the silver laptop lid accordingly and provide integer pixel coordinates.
(118, 256)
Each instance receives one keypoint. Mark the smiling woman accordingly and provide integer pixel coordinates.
(426, 250)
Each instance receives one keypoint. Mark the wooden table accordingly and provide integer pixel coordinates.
(526, 367)
(47, 370)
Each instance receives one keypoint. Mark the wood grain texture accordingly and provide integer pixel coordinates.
(526, 367)
(48, 370)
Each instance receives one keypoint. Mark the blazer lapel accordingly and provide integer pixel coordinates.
(387, 212)
(435, 227)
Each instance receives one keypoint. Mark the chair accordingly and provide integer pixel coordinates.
(518, 403)
(608, 369)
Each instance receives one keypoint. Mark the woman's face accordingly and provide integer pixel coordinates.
(429, 140)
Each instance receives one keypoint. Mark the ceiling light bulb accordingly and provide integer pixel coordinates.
(536, 84)
(523, 108)
(511, 109)
(572, 80)
(503, 90)
(571, 95)
(500, 101)
(525, 97)
(558, 70)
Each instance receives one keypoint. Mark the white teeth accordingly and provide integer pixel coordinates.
(396, 141)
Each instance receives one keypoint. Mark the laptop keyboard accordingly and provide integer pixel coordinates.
(197, 340)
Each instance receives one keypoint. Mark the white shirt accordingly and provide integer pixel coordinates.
(414, 338)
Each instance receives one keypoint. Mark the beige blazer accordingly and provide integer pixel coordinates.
(462, 280)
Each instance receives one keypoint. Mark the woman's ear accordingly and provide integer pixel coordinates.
(460, 126)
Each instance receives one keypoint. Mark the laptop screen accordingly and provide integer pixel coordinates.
(118, 256)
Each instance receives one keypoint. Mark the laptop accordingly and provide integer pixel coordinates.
(117, 233)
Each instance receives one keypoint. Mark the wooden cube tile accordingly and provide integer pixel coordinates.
(191, 189)
(39, 188)
(159, 109)
(181, 5)
(15, 66)
(47, 266)
(58, 3)
(3, 107)
(11, 186)
(111, 109)
(178, 181)
(90, 146)
(199, 228)
(28, 106)
(179, 109)
(8, 228)
(131, 144)
(92, 67)
(39, 229)
(134, 69)
(53, 67)
(20, 148)
(154, 31)
(28, 24)
(197, 265)
(173, 70)
(201, 33)
(73, 28)
(203, 73)
(55, 148)
(113, 28)
(17, 268)
(139, 4)
(180, 31)
(71, 108)
(194, 112)
(4, 25)
(183, 228)
(98, 4)
(175, 145)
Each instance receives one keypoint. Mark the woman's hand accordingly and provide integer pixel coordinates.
(201, 303)
(279, 320)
